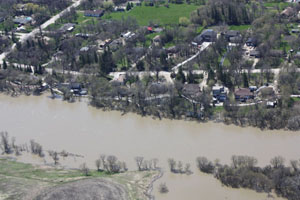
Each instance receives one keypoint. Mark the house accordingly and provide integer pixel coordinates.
(103, 44)
(271, 104)
(251, 42)
(158, 30)
(150, 29)
(75, 88)
(207, 35)
(84, 49)
(288, 12)
(255, 54)
(22, 20)
(191, 90)
(127, 35)
(219, 93)
(253, 88)
(295, 30)
(114, 45)
(243, 94)
(94, 13)
(231, 34)
(236, 39)
(1, 19)
(120, 9)
(83, 35)
(69, 27)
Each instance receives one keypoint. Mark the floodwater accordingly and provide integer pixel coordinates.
(84, 130)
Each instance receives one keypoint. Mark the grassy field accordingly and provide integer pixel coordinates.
(25, 181)
(163, 15)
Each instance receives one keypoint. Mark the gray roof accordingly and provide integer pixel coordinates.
(65, 27)
(209, 32)
(232, 33)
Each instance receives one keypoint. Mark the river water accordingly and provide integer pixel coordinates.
(84, 130)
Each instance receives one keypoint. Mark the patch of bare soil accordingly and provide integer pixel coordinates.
(87, 189)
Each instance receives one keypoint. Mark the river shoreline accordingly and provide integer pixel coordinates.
(88, 131)
(216, 118)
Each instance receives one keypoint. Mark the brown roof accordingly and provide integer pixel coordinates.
(191, 89)
(243, 92)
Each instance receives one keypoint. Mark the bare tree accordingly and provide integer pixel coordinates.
(187, 169)
(55, 157)
(295, 165)
(277, 162)
(180, 167)
(139, 162)
(84, 169)
(36, 148)
(102, 157)
(163, 188)
(98, 164)
(172, 165)
(4, 145)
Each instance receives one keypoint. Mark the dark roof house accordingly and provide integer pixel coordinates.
(94, 13)
(236, 39)
(232, 33)
(255, 54)
(251, 42)
(207, 35)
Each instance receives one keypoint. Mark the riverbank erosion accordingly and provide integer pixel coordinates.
(22, 181)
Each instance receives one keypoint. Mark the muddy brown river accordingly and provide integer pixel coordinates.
(82, 129)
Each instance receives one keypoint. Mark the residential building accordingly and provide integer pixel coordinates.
(243, 94)
(251, 42)
(94, 13)
(22, 20)
(207, 35)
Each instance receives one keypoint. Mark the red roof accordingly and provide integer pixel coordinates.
(149, 28)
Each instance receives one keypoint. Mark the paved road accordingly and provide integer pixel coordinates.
(52, 20)
(203, 47)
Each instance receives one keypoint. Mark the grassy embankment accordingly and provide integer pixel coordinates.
(19, 180)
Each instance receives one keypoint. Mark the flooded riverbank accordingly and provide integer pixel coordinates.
(87, 131)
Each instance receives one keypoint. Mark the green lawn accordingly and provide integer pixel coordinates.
(163, 15)
(240, 27)
(281, 5)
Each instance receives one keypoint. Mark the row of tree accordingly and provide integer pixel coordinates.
(243, 173)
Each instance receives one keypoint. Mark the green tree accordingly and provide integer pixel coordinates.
(128, 7)
(180, 76)
(106, 62)
(245, 80)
